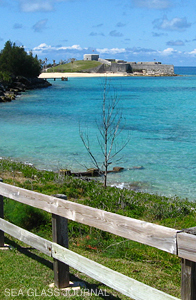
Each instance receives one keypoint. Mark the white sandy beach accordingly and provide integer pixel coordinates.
(60, 75)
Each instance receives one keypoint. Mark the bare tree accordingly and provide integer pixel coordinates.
(109, 127)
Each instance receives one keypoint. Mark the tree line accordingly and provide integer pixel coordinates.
(15, 61)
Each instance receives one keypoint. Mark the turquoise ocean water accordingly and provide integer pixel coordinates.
(42, 127)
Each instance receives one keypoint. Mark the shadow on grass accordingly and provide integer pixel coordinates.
(26, 251)
(92, 287)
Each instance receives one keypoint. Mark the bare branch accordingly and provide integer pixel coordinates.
(87, 146)
(109, 128)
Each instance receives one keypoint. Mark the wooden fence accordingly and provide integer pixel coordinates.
(181, 243)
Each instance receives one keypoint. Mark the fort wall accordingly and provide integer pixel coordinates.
(152, 68)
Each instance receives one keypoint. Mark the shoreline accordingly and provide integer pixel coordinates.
(135, 186)
(66, 74)
(59, 75)
(17, 85)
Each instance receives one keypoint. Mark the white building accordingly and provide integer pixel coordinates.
(91, 57)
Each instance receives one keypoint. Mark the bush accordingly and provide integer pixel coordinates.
(25, 216)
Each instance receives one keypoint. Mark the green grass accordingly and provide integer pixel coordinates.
(76, 66)
(27, 268)
(25, 271)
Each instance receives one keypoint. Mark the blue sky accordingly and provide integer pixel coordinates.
(133, 30)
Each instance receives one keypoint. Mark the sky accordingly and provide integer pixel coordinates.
(132, 30)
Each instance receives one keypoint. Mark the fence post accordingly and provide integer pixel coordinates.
(188, 275)
(188, 280)
(60, 236)
(1, 216)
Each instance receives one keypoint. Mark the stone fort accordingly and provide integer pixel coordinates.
(136, 68)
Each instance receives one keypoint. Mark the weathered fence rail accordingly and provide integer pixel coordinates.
(167, 239)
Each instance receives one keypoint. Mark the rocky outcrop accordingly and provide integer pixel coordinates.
(9, 91)
(90, 172)
(96, 172)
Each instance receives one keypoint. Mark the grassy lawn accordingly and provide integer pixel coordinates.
(76, 66)
(25, 272)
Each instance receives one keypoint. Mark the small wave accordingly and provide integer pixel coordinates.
(119, 186)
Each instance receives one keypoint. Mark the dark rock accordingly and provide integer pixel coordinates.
(20, 86)
(9, 91)
(5, 99)
(117, 169)
(90, 172)
(36, 83)
(23, 80)
(15, 91)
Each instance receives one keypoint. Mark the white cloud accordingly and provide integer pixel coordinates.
(44, 47)
(74, 47)
(36, 5)
(176, 24)
(169, 51)
(168, 55)
(129, 51)
(153, 4)
(111, 51)
(192, 52)
(59, 52)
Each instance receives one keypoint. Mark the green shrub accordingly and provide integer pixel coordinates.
(173, 208)
(25, 216)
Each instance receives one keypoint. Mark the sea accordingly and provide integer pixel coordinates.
(44, 127)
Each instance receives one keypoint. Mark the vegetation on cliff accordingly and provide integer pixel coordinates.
(18, 71)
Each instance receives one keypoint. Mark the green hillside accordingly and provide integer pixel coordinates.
(76, 66)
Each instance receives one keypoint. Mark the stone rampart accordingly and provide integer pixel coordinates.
(104, 61)
(115, 68)
(152, 68)
(120, 67)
